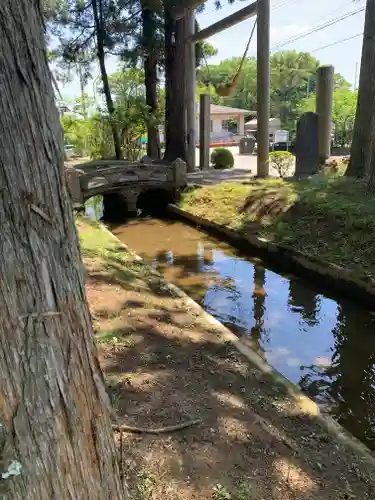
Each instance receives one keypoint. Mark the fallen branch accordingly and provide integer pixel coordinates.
(160, 430)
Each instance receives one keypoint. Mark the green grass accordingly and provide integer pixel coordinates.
(104, 251)
(328, 216)
(241, 492)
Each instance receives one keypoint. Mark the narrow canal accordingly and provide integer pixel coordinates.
(323, 344)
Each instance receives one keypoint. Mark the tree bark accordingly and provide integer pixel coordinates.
(361, 150)
(82, 87)
(151, 80)
(99, 28)
(56, 440)
(175, 119)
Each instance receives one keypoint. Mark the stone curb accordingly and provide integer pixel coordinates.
(333, 428)
(330, 275)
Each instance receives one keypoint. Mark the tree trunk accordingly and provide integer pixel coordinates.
(56, 440)
(99, 27)
(361, 150)
(175, 119)
(151, 80)
(82, 87)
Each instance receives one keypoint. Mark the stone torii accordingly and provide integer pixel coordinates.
(261, 9)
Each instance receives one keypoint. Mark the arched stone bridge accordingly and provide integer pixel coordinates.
(125, 178)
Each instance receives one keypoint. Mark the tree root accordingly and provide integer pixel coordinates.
(160, 430)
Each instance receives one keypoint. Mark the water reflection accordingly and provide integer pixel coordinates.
(348, 378)
(94, 207)
(305, 301)
(326, 347)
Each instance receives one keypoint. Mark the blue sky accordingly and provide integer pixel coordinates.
(288, 18)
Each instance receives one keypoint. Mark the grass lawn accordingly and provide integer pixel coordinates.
(164, 363)
(328, 216)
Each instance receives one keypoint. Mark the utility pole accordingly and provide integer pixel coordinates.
(355, 77)
(190, 80)
(263, 86)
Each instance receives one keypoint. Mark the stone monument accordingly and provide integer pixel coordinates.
(307, 145)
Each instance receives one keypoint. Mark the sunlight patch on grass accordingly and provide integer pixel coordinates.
(328, 216)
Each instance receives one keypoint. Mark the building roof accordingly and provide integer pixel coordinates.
(253, 124)
(227, 110)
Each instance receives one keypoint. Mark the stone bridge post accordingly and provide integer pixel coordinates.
(131, 197)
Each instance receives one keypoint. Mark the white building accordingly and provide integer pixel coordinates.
(274, 126)
(221, 117)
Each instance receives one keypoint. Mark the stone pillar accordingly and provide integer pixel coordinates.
(179, 169)
(204, 131)
(131, 197)
(263, 86)
(72, 176)
(324, 99)
(307, 157)
(241, 125)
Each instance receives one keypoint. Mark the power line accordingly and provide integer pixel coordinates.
(318, 28)
(280, 5)
(336, 43)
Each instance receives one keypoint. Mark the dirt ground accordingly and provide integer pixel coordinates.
(165, 364)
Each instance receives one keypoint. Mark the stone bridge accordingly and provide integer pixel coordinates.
(125, 179)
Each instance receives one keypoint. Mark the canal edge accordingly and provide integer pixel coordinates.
(332, 427)
(326, 274)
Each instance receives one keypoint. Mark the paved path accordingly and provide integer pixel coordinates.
(245, 167)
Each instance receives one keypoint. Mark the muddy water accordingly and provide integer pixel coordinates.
(325, 346)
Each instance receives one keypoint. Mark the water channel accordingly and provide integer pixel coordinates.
(322, 343)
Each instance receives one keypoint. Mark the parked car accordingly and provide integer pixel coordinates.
(69, 150)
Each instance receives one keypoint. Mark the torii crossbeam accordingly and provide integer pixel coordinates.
(260, 8)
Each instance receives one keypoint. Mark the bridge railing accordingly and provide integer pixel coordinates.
(100, 176)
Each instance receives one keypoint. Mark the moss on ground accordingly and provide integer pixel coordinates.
(328, 216)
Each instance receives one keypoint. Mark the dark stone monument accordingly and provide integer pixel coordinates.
(307, 147)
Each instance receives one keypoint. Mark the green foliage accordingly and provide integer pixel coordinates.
(282, 162)
(203, 50)
(241, 492)
(208, 89)
(132, 113)
(219, 492)
(93, 136)
(290, 74)
(245, 94)
(77, 131)
(222, 158)
(293, 75)
(343, 112)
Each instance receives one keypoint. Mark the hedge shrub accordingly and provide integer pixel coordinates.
(222, 158)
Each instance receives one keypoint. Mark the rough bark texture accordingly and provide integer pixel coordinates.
(99, 27)
(179, 8)
(361, 150)
(151, 79)
(56, 440)
(175, 119)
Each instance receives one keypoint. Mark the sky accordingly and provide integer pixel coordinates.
(288, 19)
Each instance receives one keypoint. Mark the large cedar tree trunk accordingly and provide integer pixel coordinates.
(363, 133)
(56, 440)
(151, 80)
(175, 119)
(97, 9)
